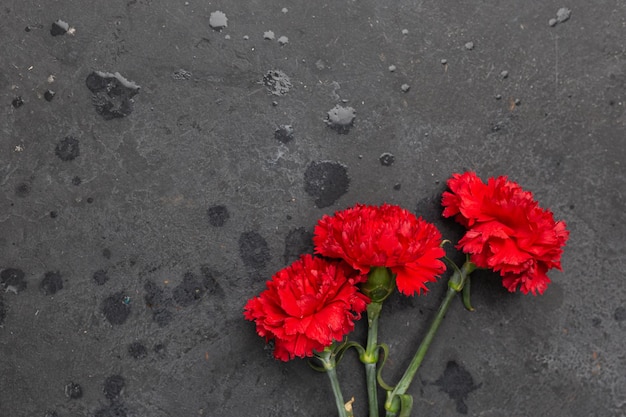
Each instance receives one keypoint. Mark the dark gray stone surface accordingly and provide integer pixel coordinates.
(139, 238)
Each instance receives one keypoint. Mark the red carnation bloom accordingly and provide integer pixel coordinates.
(307, 306)
(507, 230)
(386, 236)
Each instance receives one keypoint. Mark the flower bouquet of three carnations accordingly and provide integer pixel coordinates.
(367, 252)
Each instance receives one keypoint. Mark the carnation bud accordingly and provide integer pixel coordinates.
(380, 283)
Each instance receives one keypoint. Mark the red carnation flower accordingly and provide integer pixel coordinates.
(507, 230)
(386, 236)
(307, 306)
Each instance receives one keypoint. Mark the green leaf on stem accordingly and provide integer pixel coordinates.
(379, 375)
(466, 295)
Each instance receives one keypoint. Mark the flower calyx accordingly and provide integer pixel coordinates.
(379, 285)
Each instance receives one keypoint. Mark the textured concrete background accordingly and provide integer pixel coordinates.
(129, 246)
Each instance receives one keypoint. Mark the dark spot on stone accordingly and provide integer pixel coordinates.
(137, 350)
(284, 133)
(596, 321)
(100, 277)
(156, 300)
(49, 95)
(326, 181)
(23, 190)
(218, 215)
(59, 28)
(397, 186)
(106, 252)
(3, 310)
(114, 409)
(620, 314)
(67, 149)
(386, 159)
(76, 181)
(51, 413)
(188, 291)
(114, 308)
(298, 242)
(112, 94)
(89, 200)
(159, 349)
(457, 383)
(51, 283)
(73, 391)
(113, 386)
(54, 214)
(155, 296)
(209, 282)
(162, 316)
(12, 279)
(253, 250)
(17, 102)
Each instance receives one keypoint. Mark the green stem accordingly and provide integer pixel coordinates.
(370, 356)
(455, 285)
(327, 358)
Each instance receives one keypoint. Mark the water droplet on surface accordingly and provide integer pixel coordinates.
(283, 40)
(504, 74)
(253, 250)
(51, 283)
(326, 181)
(115, 310)
(67, 149)
(269, 35)
(458, 383)
(12, 279)
(387, 159)
(49, 95)
(181, 74)
(284, 10)
(218, 215)
(23, 189)
(137, 350)
(469, 46)
(405, 88)
(284, 133)
(405, 31)
(113, 386)
(298, 242)
(277, 82)
(563, 14)
(444, 61)
(100, 277)
(392, 68)
(17, 102)
(112, 94)
(73, 391)
(341, 118)
(218, 20)
(59, 28)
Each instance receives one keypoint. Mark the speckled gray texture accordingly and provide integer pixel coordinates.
(136, 203)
